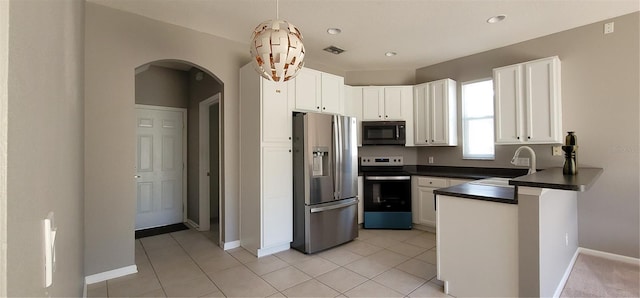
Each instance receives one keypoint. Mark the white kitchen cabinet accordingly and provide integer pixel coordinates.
(389, 103)
(386, 103)
(266, 175)
(317, 91)
(436, 114)
(353, 108)
(423, 200)
(528, 106)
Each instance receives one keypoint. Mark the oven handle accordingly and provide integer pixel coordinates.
(379, 178)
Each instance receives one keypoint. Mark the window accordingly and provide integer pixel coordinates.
(477, 120)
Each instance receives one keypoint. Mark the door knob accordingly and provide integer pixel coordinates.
(136, 176)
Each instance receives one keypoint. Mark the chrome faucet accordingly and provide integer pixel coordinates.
(532, 165)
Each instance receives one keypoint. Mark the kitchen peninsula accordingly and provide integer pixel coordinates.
(511, 240)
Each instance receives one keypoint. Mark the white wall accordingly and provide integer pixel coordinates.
(44, 170)
(117, 43)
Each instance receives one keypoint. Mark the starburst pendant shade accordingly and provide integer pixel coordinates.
(277, 50)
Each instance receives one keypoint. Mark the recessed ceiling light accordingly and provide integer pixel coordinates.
(390, 54)
(334, 31)
(496, 19)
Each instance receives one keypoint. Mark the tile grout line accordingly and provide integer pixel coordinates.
(198, 264)
(152, 267)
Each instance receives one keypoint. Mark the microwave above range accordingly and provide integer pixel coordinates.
(383, 133)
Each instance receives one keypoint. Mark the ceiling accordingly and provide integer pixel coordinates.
(422, 32)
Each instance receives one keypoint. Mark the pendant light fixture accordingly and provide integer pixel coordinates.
(277, 50)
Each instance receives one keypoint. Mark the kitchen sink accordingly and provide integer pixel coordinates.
(500, 182)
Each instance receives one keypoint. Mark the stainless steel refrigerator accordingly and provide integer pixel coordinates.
(325, 181)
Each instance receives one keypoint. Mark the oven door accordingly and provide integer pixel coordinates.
(387, 193)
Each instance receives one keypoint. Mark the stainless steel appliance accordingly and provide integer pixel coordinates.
(383, 133)
(387, 193)
(325, 181)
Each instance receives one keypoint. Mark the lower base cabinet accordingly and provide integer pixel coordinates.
(423, 203)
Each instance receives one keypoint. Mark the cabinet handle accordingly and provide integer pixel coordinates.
(277, 90)
(379, 116)
(518, 138)
(324, 108)
(318, 107)
(386, 116)
(289, 150)
(289, 138)
(529, 138)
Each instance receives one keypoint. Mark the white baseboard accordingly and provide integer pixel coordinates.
(271, 250)
(102, 276)
(230, 245)
(192, 224)
(567, 272)
(610, 256)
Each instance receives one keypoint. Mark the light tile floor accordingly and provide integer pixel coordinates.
(379, 263)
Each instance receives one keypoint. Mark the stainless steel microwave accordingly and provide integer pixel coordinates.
(383, 133)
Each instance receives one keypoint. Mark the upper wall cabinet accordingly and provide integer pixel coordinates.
(316, 91)
(389, 103)
(528, 106)
(385, 103)
(353, 107)
(436, 113)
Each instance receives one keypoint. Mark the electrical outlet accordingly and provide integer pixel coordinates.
(430, 159)
(608, 28)
(556, 150)
(522, 161)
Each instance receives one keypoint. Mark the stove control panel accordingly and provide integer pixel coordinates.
(381, 161)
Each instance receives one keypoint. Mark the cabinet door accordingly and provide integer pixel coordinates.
(276, 115)
(308, 91)
(439, 113)
(353, 108)
(508, 92)
(277, 195)
(421, 112)
(393, 103)
(426, 200)
(332, 93)
(541, 101)
(372, 103)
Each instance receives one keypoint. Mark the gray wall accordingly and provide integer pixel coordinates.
(116, 44)
(161, 86)
(381, 77)
(45, 147)
(198, 91)
(600, 101)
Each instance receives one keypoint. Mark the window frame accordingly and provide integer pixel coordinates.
(465, 122)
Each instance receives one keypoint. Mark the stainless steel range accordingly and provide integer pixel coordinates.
(387, 193)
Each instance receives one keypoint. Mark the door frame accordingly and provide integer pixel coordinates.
(184, 150)
(204, 150)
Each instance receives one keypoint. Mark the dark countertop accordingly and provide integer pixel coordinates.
(480, 192)
(461, 172)
(553, 178)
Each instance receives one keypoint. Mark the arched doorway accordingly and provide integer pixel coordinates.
(177, 84)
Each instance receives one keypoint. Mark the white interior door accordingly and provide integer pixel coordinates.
(159, 167)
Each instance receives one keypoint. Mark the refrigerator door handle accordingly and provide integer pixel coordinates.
(335, 206)
(336, 160)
